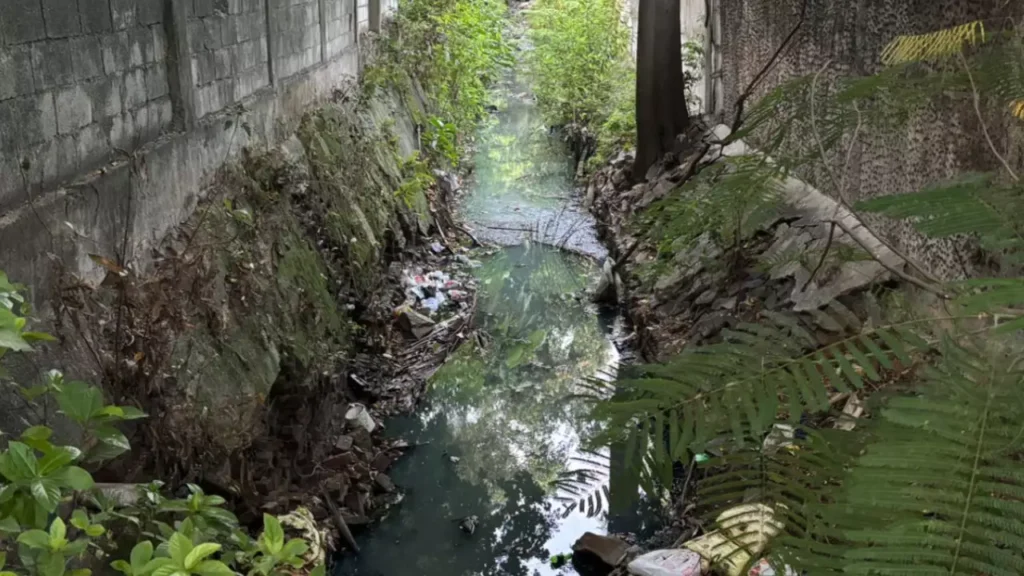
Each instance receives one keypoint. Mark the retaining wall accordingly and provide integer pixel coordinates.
(114, 114)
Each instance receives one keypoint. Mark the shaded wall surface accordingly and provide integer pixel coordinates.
(114, 114)
(940, 140)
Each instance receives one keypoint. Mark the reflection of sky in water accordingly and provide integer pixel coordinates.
(523, 179)
(502, 410)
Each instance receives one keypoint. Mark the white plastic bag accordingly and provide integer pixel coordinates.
(677, 562)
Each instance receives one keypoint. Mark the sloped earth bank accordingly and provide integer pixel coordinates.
(689, 296)
(495, 478)
(268, 318)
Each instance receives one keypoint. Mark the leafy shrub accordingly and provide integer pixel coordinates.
(580, 60)
(43, 482)
(455, 50)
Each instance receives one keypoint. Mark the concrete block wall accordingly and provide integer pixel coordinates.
(83, 80)
(77, 79)
(228, 51)
(339, 25)
(295, 25)
(363, 14)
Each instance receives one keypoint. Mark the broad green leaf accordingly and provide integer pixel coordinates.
(294, 547)
(221, 515)
(22, 461)
(77, 547)
(95, 530)
(11, 339)
(157, 564)
(35, 539)
(79, 401)
(213, 568)
(52, 565)
(166, 570)
(200, 553)
(214, 500)
(37, 433)
(46, 493)
(58, 531)
(10, 525)
(3, 559)
(80, 519)
(132, 413)
(75, 478)
(142, 553)
(320, 570)
(273, 534)
(55, 460)
(179, 548)
(114, 412)
(80, 572)
(112, 443)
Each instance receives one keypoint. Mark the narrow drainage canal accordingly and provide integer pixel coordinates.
(499, 432)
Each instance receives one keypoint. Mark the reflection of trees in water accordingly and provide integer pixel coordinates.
(424, 537)
(507, 401)
(518, 154)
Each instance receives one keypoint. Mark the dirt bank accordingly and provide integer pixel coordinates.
(273, 315)
(683, 287)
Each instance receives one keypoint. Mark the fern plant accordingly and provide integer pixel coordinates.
(930, 484)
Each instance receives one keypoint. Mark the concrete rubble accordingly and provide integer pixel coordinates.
(706, 287)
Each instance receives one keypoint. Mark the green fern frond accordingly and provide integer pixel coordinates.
(973, 203)
(730, 199)
(934, 45)
(790, 485)
(942, 481)
(742, 384)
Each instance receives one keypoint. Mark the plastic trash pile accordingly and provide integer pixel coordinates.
(742, 531)
(430, 292)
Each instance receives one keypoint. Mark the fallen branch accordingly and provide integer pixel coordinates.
(824, 254)
(903, 275)
(464, 230)
(339, 521)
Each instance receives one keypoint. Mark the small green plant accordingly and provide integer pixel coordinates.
(455, 50)
(418, 178)
(273, 551)
(41, 478)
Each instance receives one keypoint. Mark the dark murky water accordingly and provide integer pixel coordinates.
(501, 432)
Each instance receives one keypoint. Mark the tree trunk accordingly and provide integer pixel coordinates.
(661, 111)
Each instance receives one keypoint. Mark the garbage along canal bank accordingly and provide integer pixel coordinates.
(496, 478)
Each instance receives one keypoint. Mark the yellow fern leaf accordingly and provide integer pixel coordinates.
(933, 45)
(1017, 108)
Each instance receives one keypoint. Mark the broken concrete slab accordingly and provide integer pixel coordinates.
(609, 550)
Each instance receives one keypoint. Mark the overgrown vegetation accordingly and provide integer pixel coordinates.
(582, 70)
(930, 484)
(56, 520)
(454, 50)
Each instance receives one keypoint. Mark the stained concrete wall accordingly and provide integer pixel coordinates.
(77, 79)
(84, 83)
